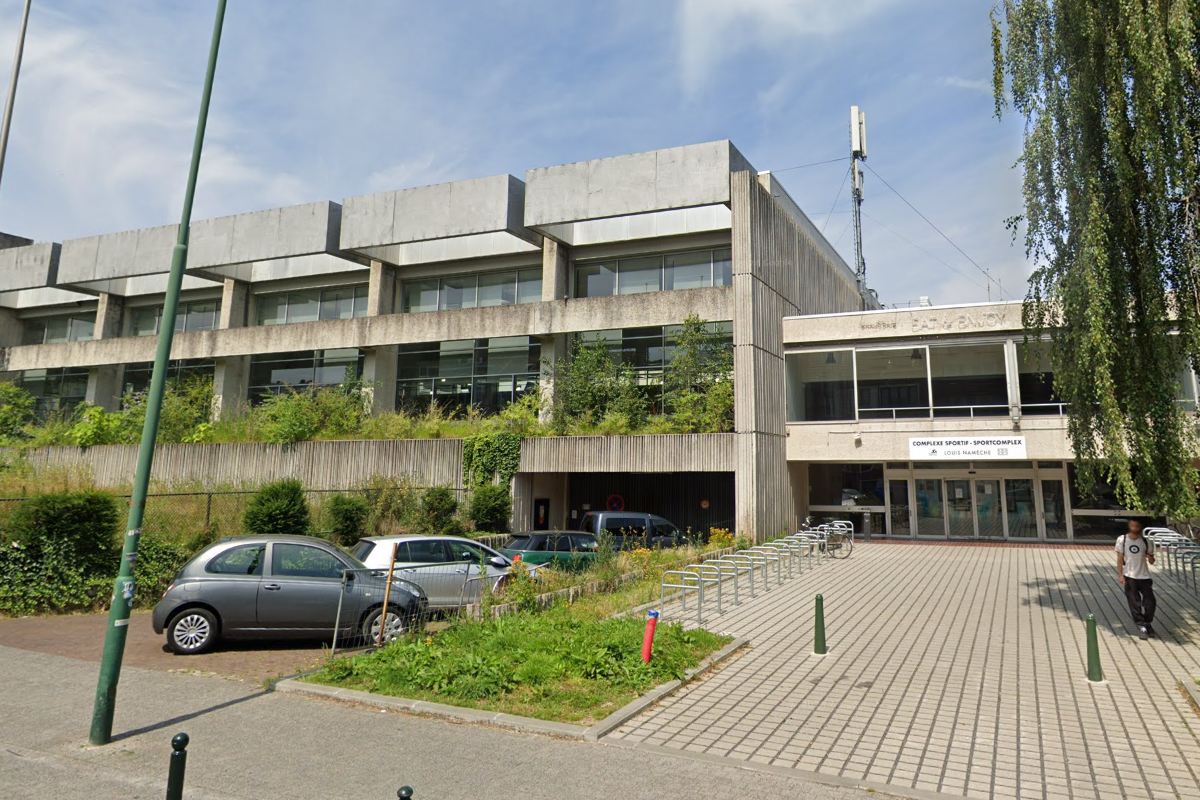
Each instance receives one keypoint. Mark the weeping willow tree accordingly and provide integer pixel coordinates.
(1110, 94)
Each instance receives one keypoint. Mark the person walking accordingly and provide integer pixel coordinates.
(1135, 554)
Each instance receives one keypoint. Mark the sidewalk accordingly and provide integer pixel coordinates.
(959, 670)
(250, 744)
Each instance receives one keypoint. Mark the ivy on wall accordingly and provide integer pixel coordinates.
(488, 456)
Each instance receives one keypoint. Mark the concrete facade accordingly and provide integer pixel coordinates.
(376, 274)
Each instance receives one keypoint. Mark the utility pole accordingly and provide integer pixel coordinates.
(12, 86)
(118, 614)
(858, 151)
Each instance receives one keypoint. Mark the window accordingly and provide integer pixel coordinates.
(304, 561)
(1187, 388)
(969, 380)
(625, 526)
(562, 544)
(244, 560)
(281, 372)
(488, 374)
(1035, 378)
(198, 316)
(689, 270)
(584, 542)
(55, 389)
(820, 386)
(137, 376)
(55, 330)
(465, 551)
(476, 290)
(664, 529)
(427, 551)
(845, 485)
(310, 305)
(892, 384)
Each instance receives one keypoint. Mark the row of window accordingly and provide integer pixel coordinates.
(198, 316)
(77, 327)
(691, 270)
(507, 288)
(344, 302)
(488, 374)
(648, 350)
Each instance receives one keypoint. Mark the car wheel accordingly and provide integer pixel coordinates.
(192, 631)
(395, 625)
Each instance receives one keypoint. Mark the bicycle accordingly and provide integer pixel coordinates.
(839, 542)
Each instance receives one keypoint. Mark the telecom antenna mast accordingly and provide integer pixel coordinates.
(858, 151)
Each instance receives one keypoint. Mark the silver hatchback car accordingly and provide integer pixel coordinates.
(270, 587)
(446, 568)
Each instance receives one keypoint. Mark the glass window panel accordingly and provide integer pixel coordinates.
(202, 316)
(414, 395)
(958, 509)
(529, 286)
(420, 362)
(143, 321)
(722, 267)
(1022, 517)
(688, 271)
(35, 331)
(845, 484)
(639, 275)
(1054, 509)
(967, 379)
(1035, 378)
(420, 296)
(337, 303)
(1187, 388)
(820, 386)
(899, 518)
(497, 289)
(303, 561)
(452, 395)
(892, 383)
(272, 309)
(454, 358)
(361, 293)
(58, 329)
(82, 328)
(489, 395)
(303, 306)
(458, 292)
(596, 280)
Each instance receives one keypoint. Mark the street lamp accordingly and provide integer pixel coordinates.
(12, 86)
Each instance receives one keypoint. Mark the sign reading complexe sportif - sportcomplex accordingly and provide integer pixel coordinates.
(973, 447)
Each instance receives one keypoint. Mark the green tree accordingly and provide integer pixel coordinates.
(591, 385)
(1110, 95)
(698, 380)
(491, 506)
(278, 507)
(16, 411)
(438, 507)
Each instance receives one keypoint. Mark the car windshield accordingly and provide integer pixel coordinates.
(362, 550)
(518, 541)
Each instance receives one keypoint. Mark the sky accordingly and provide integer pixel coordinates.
(326, 100)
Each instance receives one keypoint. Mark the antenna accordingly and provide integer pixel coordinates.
(858, 150)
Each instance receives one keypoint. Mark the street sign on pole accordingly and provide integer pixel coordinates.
(118, 614)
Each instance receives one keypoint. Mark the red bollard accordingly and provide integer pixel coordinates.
(648, 639)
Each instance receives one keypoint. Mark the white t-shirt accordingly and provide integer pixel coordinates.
(1135, 551)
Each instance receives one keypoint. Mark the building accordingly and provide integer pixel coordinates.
(462, 294)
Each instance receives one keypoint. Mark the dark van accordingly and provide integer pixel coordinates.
(632, 529)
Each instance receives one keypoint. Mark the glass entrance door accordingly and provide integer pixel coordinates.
(899, 511)
(931, 519)
(988, 513)
(1019, 509)
(960, 516)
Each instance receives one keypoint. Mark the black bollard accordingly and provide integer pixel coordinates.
(178, 766)
(405, 793)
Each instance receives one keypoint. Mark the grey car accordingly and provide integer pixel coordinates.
(270, 587)
(446, 568)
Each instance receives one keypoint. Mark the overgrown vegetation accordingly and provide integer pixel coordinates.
(278, 508)
(491, 508)
(1108, 92)
(561, 664)
(347, 519)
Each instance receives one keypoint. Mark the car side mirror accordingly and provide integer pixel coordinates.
(498, 562)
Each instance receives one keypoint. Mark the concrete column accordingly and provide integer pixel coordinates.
(235, 302)
(556, 276)
(379, 379)
(763, 247)
(110, 316)
(553, 348)
(381, 290)
(522, 494)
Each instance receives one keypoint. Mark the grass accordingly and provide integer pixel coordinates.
(566, 664)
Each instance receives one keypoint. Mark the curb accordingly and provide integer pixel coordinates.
(628, 712)
(561, 730)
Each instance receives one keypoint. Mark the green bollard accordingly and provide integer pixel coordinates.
(819, 635)
(1093, 647)
(177, 767)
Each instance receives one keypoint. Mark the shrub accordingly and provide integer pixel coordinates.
(94, 426)
(491, 507)
(347, 519)
(185, 416)
(59, 552)
(287, 417)
(720, 537)
(16, 411)
(438, 507)
(394, 504)
(157, 563)
(278, 507)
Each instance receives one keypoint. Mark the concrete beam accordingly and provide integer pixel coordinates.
(11, 240)
(486, 214)
(29, 267)
(677, 177)
(531, 319)
(911, 324)
(887, 440)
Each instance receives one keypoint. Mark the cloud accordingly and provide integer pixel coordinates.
(965, 83)
(713, 31)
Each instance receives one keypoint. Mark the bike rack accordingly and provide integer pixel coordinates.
(772, 556)
(785, 548)
(724, 568)
(741, 563)
(683, 586)
(708, 573)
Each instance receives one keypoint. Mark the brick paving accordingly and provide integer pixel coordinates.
(957, 670)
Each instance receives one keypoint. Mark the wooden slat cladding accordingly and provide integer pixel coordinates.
(318, 465)
(701, 452)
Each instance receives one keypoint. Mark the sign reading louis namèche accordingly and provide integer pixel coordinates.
(941, 448)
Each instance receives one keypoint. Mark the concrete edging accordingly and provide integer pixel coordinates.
(561, 730)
